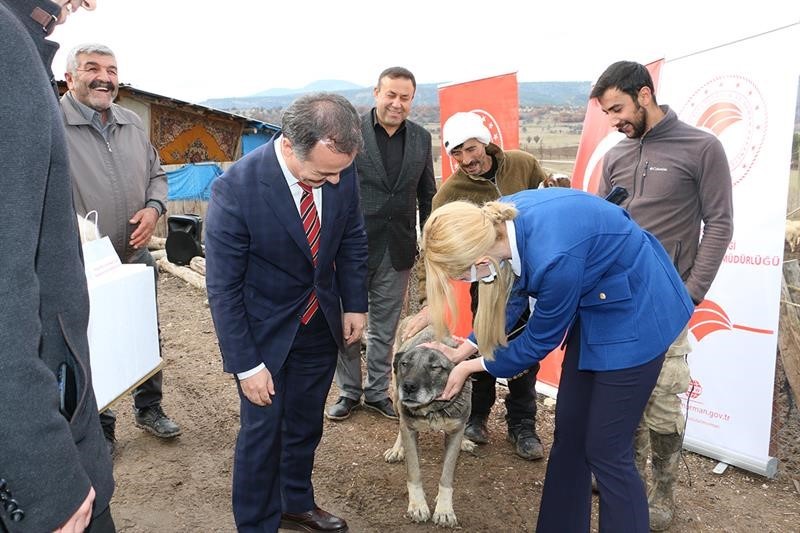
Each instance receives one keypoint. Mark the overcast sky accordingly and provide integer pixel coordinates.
(194, 50)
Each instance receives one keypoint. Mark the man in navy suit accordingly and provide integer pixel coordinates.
(286, 254)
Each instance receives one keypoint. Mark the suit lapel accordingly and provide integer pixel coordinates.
(408, 151)
(371, 147)
(277, 195)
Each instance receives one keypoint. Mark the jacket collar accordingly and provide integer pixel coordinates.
(664, 125)
(23, 10)
(75, 117)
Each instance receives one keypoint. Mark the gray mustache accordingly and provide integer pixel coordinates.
(103, 84)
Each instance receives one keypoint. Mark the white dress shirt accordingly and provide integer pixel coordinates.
(297, 193)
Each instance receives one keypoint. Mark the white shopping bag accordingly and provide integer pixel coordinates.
(123, 331)
(99, 256)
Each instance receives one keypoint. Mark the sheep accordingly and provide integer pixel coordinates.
(792, 234)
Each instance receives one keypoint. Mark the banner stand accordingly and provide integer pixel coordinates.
(768, 468)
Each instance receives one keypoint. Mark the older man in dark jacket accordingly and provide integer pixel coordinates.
(54, 468)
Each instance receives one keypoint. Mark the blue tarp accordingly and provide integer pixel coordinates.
(192, 182)
(252, 141)
(258, 136)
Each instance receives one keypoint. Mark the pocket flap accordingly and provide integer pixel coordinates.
(613, 289)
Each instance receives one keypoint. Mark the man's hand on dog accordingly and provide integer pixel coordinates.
(458, 376)
(259, 387)
(416, 324)
(353, 326)
(456, 355)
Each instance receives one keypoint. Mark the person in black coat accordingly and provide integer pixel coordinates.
(55, 472)
(395, 173)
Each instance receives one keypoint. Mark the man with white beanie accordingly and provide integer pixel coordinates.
(486, 172)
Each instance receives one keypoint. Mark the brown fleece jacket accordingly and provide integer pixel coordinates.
(516, 171)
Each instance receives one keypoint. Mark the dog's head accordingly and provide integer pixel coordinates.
(421, 375)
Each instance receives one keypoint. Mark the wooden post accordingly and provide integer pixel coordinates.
(789, 328)
(187, 274)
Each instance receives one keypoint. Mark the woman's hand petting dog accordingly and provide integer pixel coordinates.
(456, 355)
(458, 376)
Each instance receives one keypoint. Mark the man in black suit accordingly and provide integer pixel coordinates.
(396, 176)
(286, 268)
(55, 473)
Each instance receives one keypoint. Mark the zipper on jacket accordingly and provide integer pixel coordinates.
(636, 173)
(493, 182)
(644, 173)
(108, 144)
(677, 255)
(496, 187)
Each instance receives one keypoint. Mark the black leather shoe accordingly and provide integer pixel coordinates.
(476, 430)
(111, 446)
(384, 407)
(526, 442)
(153, 420)
(316, 520)
(111, 441)
(341, 409)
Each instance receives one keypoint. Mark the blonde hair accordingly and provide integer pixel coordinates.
(455, 236)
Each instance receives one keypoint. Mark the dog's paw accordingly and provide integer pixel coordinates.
(394, 454)
(418, 510)
(445, 519)
(468, 446)
(444, 515)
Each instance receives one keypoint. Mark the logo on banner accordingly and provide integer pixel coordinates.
(732, 108)
(695, 389)
(493, 127)
(709, 317)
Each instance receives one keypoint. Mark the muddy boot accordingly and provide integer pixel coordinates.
(641, 451)
(476, 430)
(666, 455)
(526, 442)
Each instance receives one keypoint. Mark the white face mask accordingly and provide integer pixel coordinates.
(473, 274)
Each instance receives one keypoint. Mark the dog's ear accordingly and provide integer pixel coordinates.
(448, 341)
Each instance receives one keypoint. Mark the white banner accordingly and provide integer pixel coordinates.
(746, 93)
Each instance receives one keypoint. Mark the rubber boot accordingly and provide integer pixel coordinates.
(666, 455)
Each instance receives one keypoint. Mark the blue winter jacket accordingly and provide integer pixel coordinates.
(583, 257)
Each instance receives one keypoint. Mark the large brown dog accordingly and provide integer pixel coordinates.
(420, 375)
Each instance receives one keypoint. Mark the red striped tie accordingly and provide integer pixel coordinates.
(308, 214)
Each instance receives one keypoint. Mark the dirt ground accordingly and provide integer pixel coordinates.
(184, 485)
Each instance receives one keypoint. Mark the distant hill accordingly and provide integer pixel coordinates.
(531, 93)
(320, 85)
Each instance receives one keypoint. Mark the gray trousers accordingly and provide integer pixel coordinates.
(387, 289)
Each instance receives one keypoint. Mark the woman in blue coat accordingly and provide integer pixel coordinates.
(601, 284)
